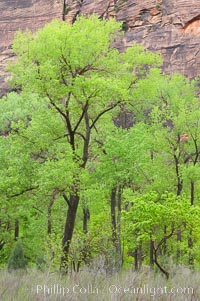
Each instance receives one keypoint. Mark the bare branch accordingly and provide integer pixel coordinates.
(67, 200)
(23, 191)
(163, 239)
(55, 106)
(197, 153)
(84, 110)
(102, 113)
(87, 140)
(81, 135)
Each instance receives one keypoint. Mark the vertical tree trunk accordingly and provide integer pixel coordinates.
(116, 223)
(192, 193)
(178, 253)
(190, 246)
(165, 241)
(69, 226)
(119, 250)
(151, 254)
(64, 10)
(190, 240)
(16, 233)
(86, 217)
(49, 224)
(1, 240)
(85, 253)
(179, 190)
(113, 215)
(140, 256)
(136, 259)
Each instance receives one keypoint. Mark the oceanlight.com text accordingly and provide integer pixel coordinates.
(152, 291)
(112, 289)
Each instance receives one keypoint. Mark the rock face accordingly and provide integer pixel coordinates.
(169, 27)
(22, 14)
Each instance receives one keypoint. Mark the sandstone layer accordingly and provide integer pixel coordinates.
(169, 27)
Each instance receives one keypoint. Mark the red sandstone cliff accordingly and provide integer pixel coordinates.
(170, 27)
(22, 14)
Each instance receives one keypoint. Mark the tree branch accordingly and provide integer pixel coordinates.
(23, 191)
(163, 239)
(55, 106)
(102, 113)
(84, 110)
(197, 152)
(87, 140)
(67, 200)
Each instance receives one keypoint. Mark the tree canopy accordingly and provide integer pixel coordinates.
(70, 172)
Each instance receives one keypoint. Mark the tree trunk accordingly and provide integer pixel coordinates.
(116, 223)
(190, 240)
(64, 10)
(69, 227)
(2, 243)
(86, 217)
(136, 259)
(179, 190)
(49, 223)
(16, 234)
(155, 257)
(113, 215)
(166, 273)
(190, 246)
(165, 241)
(178, 253)
(192, 193)
(178, 176)
(151, 252)
(118, 248)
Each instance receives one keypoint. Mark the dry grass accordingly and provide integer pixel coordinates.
(33, 285)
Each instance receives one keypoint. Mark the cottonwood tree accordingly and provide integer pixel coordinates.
(81, 77)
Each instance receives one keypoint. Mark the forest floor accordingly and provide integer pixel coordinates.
(34, 285)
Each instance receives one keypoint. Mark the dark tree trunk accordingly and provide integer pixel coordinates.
(118, 247)
(190, 246)
(69, 227)
(113, 215)
(138, 257)
(155, 255)
(159, 266)
(165, 241)
(151, 254)
(178, 253)
(49, 223)
(86, 217)
(16, 233)
(64, 10)
(136, 260)
(190, 240)
(179, 180)
(179, 190)
(116, 223)
(2, 243)
(192, 193)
